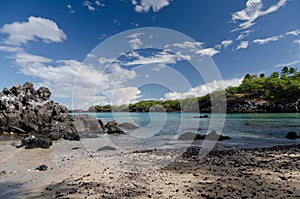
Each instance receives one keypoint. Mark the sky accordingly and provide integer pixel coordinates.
(124, 51)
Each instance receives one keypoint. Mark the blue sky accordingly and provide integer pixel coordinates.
(53, 43)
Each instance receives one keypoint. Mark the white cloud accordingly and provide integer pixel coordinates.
(123, 95)
(188, 45)
(297, 41)
(61, 75)
(158, 58)
(208, 52)
(243, 45)
(99, 3)
(72, 11)
(89, 5)
(10, 49)
(146, 5)
(161, 59)
(226, 43)
(90, 55)
(253, 11)
(26, 58)
(244, 34)
(268, 40)
(35, 28)
(203, 89)
(287, 64)
(135, 40)
(104, 60)
(294, 32)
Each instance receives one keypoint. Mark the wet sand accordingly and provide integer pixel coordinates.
(73, 172)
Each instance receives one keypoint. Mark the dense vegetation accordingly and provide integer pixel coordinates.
(281, 86)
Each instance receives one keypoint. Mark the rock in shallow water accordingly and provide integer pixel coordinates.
(292, 135)
(212, 136)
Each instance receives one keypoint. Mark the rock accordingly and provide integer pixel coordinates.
(128, 126)
(24, 110)
(88, 126)
(112, 128)
(3, 173)
(201, 116)
(16, 130)
(42, 167)
(106, 148)
(31, 142)
(43, 93)
(212, 136)
(191, 136)
(292, 135)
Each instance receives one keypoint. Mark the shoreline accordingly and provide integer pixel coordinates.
(76, 173)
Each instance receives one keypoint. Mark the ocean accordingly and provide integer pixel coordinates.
(161, 130)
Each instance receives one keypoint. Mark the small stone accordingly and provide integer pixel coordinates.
(42, 167)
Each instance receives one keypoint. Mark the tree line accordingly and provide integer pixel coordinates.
(283, 86)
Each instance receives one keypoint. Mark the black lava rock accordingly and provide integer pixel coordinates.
(30, 112)
(292, 135)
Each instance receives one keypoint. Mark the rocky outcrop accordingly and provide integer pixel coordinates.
(212, 136)
(259, 106)
(29, 112)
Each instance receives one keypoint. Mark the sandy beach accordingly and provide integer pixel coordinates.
(73, 172)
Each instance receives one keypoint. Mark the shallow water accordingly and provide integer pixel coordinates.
(160, 130)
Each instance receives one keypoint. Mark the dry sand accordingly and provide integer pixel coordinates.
(74, 172)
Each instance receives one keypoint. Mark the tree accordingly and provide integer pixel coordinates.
(275, 75)
(284, 71)
(292, 71)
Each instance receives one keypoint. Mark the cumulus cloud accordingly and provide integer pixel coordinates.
(89, 5)
(253, 11)
(146, 5)
(243, 45)
(61, 75)
(268, 40)
(208, 52)
(203, 89)
(123, 95)
(34, 28)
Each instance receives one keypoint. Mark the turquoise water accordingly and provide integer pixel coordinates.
(162, 129)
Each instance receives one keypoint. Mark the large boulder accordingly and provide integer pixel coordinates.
(88, 126)
(24, 110)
